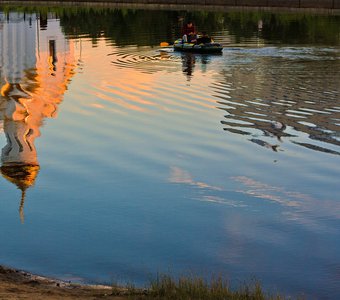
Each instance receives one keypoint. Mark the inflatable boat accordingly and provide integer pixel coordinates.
(201, 48)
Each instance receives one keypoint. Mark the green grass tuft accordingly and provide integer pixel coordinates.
(165, 287)
(193, 288)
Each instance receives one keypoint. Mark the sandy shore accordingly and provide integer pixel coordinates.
(16, 284)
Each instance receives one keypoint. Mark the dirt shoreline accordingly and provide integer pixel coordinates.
(16, 284)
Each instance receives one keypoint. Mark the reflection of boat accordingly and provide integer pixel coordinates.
(201, 48)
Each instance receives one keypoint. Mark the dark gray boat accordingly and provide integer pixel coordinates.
(201, 48)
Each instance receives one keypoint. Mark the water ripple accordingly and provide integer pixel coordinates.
(283, 100)
(149, 62)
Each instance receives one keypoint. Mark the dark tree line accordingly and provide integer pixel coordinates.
(150, 27)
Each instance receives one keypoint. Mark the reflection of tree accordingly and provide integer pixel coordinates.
(150, 27)
(288, 28)
(140, 27)
(124, 26)
(31, 90)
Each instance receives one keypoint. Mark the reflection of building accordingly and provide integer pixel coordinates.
(280, 98)
(35, 68)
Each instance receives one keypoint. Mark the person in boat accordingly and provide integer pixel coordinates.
(203, 39)
(189, 33)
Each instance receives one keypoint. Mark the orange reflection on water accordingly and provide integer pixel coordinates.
(30, 92)
(132, 80)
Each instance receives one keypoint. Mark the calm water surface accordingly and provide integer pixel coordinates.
(120, 160)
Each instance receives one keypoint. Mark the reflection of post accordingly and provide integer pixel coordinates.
(52, 54)
(259, 25)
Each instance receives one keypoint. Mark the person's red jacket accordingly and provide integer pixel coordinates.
(188, 30)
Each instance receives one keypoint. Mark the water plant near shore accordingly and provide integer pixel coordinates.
(15, 283)
(166, 287)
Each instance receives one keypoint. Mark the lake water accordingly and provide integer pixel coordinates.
(120, 161)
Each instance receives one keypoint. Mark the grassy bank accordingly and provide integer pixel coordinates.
(16, 284)
(189, 288)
